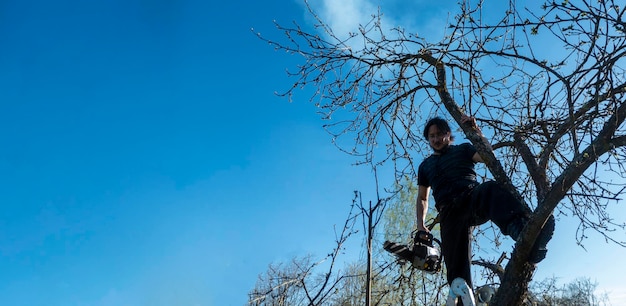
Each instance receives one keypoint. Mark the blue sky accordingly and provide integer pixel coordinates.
(146, 160)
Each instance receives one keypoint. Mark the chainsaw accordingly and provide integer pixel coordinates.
(423, 255)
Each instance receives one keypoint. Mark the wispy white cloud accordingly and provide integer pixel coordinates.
(418, 16)
(346, 16)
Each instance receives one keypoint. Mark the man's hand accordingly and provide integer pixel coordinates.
(468, 120)
(471, 122)
(422, 227)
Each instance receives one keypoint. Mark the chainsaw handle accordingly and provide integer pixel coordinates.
(424, 237)
(432, 224)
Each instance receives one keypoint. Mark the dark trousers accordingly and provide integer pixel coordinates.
(487, 201)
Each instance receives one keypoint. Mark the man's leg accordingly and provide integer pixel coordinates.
(492, 202)
(540, 248)
(455, 243)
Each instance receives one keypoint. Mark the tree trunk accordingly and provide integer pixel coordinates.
(514, 287)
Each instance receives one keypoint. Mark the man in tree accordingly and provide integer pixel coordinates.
(462, 202)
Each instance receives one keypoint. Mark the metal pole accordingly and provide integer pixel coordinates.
(368, 287)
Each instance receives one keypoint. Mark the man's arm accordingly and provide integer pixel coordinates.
(471, 121)
(421, 207)
(477, 158)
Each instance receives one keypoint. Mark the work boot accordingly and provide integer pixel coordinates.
(539, 250)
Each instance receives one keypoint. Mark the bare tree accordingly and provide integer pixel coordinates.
(547, 84)
(300, 282)
(580, 291)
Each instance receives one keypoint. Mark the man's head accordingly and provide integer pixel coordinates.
(438, 133)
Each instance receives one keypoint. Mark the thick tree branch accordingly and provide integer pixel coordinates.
(537, 173)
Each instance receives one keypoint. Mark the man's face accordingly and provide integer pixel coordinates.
(438, 140)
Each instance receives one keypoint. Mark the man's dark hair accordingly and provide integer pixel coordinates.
(440, 123)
